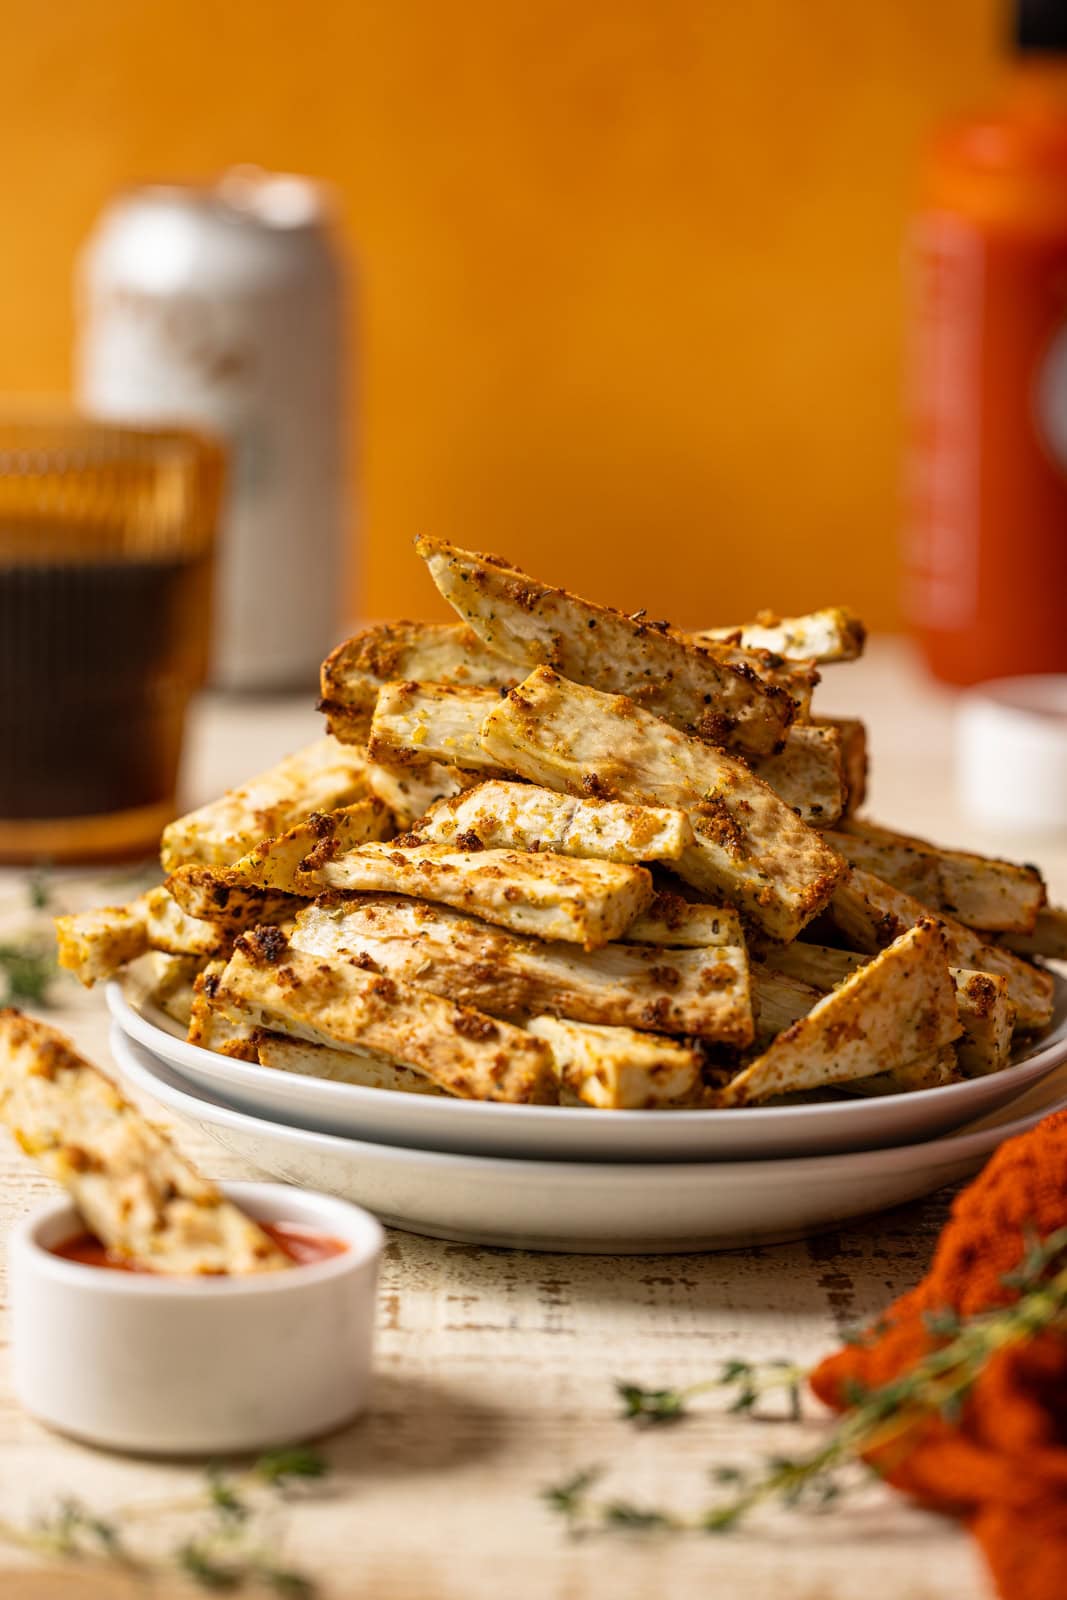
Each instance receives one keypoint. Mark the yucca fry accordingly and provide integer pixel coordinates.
(133, 1189)
(929, 1072)
(705, 690)
(254, 889)
(778, 1001)
(748, 846)
(672, 920)
(417, 723)
(987, 1017)
(616, 1069)
(986, 1013)
(915, 872)
(169, 983)
(555, 897)
(403, 652)
(1047, 938)
(210, 1027)
(209, 895)
(95, 944)
(807, 773)
(321, 777)
(832, 634)
(409, 792)
(984, 893)
(339, 1066)
(271, 865)
(703, 992)
(337, 1003)
(524, 816)
(871, 912)
(855, 760)
(172, 929)
(898, 1007)
(816, 964)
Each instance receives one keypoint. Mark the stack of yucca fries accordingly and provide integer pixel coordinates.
(551, 852)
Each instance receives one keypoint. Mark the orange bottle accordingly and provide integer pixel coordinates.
(986, 551)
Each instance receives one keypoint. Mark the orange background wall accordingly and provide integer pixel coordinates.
(630, 268)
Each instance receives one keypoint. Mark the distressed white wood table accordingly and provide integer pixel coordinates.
(495, 1368)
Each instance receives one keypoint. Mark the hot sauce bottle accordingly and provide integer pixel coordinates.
(986, 547)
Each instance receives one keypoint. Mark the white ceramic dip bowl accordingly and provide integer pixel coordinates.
(167, 1365)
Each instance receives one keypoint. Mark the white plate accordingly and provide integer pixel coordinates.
(600, 1206)
(554, 1132)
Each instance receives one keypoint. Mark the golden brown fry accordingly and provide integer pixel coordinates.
(173, 930)
(137, 1194)
(779, 1000)
(855, 761)
(210, 1027)
(834, 634)
(1047, 938)
(403, 652)
(980, 891)
(699, 689)
(207, 895)
(986, 1012)
(554, 897)
(615, 1069)
(418, 723)
(898, 1007)
(337, 1003)
(703, 992)
(807, 773)
(872, 913)
(271, 865)
(987, 1017)
(321, 777)
(409, 792)
(523, 816)
(339, 1066)
(169, 983)
(929, 1072)
(748, 847)
(672, 920)
(95, 944)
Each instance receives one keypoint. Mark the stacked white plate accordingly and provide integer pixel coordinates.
(554, 1178)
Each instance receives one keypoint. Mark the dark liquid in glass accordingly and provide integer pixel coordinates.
(94, 677)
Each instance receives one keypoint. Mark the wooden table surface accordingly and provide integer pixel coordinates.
(495, 1368)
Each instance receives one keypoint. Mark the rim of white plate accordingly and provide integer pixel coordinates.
(153, 1077)
(1027, 1069)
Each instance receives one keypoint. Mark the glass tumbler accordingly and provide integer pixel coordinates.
(106, 554)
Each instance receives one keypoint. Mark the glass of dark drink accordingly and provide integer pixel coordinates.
(106, 553)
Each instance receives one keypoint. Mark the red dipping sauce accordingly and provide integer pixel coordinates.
(301, 1245)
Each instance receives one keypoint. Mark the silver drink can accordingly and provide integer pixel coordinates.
(225, 307)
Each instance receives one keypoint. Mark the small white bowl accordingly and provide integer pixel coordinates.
(1011, 753)
(165, 1366)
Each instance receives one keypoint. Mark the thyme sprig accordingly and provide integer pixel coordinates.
(229, 1547)
(28, 961)
(936, 1387)
(654, 1407)
(27, 969)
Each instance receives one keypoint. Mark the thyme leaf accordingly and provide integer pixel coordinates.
(938, 1385)
(748, 1383)
(223, 1551)
(27, 970)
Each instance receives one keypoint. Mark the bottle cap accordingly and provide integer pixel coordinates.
(1011, 753)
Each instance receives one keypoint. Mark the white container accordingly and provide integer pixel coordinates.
(158, 1365)
(1011, 754)
(224, 307)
